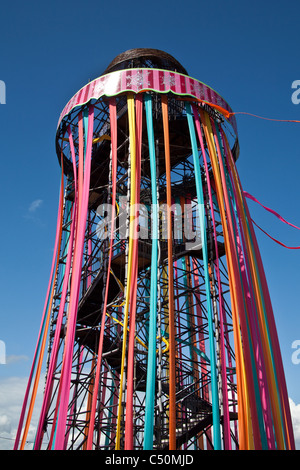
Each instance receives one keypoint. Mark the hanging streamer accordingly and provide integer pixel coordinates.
(250, 323)
(275, 240)
(131, 255)
(261, 392)
(215, 398)
(40, 347)
(151, 364)
(53, 358)
(265, 318)
(289, 438)
(113, 125)
(261, 117)
(172, 353)
(235, 282)
(249, 196)
(186, 294)
(83, 195)
(135, 136)
(227, 442)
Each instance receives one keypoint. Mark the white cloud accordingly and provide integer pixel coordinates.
(295, 412)
(32, 212)
(35, 205)
(12, 391)
(13, 359)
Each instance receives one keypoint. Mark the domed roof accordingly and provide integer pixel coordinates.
(145, 58)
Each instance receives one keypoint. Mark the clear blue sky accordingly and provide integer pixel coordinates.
(247, 51)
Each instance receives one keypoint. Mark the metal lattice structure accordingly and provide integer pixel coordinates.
(151, 333)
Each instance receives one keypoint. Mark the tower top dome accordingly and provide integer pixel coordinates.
(145, 58)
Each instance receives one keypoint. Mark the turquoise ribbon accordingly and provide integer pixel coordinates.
(200, 198)
(151, 366)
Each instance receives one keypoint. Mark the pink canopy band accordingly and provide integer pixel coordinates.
(138, 80)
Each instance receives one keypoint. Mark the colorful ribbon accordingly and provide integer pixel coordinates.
(186, 299)
(151, 364)
(249, 196)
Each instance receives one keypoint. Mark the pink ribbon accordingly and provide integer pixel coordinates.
(270, 210)
(278, 216)
(75, 283)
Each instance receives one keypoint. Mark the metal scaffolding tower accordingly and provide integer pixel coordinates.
(153, 315)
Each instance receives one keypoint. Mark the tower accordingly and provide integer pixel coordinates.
(158, 321)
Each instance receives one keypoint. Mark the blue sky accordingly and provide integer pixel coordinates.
(246, 51)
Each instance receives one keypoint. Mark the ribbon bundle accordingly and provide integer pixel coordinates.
(260, 399)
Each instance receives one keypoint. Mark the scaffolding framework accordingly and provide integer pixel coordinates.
(151, 333)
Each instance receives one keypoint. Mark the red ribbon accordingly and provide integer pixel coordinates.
(279, 217)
